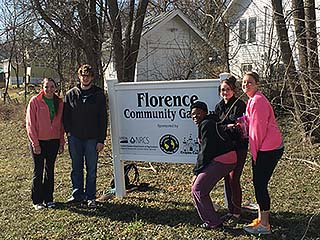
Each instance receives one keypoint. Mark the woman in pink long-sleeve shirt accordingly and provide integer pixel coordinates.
(46, 136)
(266, 147)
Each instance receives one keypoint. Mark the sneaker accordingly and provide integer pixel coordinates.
(233, 221)
(254, 223)
(226, 217)
(250, 207)
(92, 204)
(38, 206)
(258, 229)
(50, 204)
(206, 226)
(73, 201)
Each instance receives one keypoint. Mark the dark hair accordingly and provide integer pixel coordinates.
(231, 81)
(56, 99)
(199, 104)
(254, 75)
(86, 69)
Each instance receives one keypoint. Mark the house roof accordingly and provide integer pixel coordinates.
(152, 24)
(234, 8)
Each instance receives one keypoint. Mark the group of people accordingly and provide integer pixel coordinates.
(223, 142)
(224, 137)
(83, 117)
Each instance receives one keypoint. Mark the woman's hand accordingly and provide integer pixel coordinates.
(36, 150)
(61, 149)
(99, 147)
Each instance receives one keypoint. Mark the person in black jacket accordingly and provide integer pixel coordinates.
(228, 110)
(85, 122)
(216, 158)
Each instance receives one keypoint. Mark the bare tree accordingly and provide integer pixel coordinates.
(18, 34)
(85, 25)
(311, 30)
(82, 22)
(206, 16)
(126, 49)
(299, 24)
(305, 99)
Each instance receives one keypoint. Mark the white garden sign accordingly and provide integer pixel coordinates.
(150, 121)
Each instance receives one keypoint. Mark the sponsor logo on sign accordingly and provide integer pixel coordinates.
(140, 140)
(123, 140)
(169, 144)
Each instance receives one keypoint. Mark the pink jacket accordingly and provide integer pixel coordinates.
(264, 133)
(38, 123)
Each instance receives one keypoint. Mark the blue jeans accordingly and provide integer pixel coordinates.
(83, 151)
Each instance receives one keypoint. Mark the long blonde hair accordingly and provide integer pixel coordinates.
(254, 75)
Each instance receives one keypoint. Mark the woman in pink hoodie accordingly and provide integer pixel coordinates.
(46, 135)
(266, 147)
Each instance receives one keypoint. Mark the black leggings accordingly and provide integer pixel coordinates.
(42, 188)
(262, 171)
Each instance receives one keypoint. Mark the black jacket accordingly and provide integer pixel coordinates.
(237, 110)
(213, 142)
(85, 113)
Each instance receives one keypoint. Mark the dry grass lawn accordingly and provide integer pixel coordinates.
(164, 211)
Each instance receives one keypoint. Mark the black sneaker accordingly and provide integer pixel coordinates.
(92, 203)
(50, 205)
(73, 201)
(206, 226)
(38, 206)
(226, 217)
(233, 221)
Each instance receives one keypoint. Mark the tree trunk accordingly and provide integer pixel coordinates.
(17, 72)
(287, 58)
(91, 37)
(127, 43)
(117, 38)
(6, 94)
(299, 24)
(313, 124)
(88, 39)
(126, 56)
(306, 109)
(311, 30)
(130, 65)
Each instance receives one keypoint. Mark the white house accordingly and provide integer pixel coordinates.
(168, 48)
(35, 72)
(253, 39)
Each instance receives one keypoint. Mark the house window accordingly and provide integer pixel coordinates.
(252, 30)
(242, 31)
(246, 67)
(247, 30)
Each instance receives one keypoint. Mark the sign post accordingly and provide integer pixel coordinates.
(151, 122)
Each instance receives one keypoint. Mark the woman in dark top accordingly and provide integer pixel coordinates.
(228, 110)
(216, 158)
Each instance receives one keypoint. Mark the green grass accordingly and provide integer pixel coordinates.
(164, 211)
